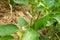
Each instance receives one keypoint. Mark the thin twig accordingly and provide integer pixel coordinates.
(10, 12)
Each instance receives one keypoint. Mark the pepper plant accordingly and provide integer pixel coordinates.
(48, 15)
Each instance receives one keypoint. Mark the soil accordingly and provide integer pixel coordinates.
(7, 17)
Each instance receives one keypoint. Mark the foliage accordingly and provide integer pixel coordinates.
(51, 19)
(7, 38)
(33, 35)
(22, 22)
(6, 30)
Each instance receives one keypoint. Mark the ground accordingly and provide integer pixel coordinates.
(8, 14)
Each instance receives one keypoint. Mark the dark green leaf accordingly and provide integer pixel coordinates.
(58, 28)
(39, 24)
(51, 29)
(47, 20)
(12, 3)
(30, 35)
(8, 29)
(22, 22)
(7, 38)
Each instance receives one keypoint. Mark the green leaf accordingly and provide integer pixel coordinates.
(20, 2)
(58, 28)
(54, 38)
(46, 20)
(12, 3)
(8, 29)
(49, 3)
(40, 8)
(33, 1)
(44, 38)
(55, 7)
(51, 30)
(22, 22)
(7, 38)
(39, 24)
(57, 17)
(30, 35)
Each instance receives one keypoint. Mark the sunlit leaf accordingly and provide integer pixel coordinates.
(33, 1)
(49, 3)
(57, 17)
(30, 35)
(20, 34)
